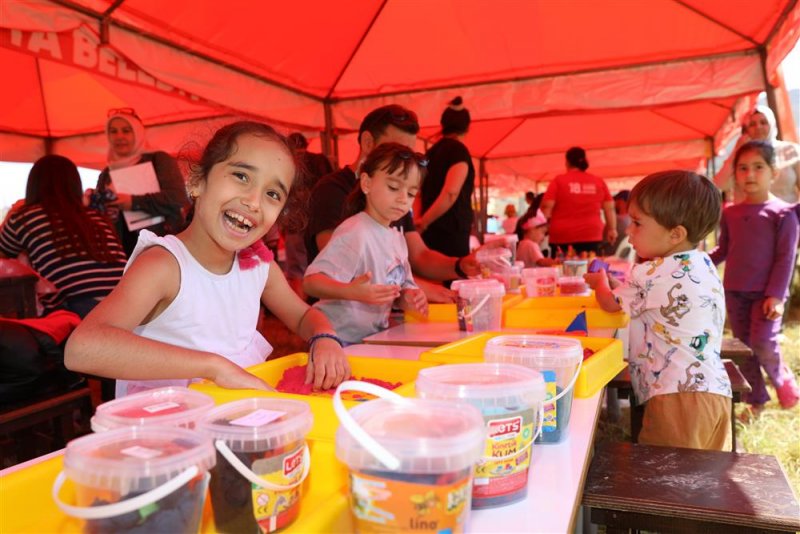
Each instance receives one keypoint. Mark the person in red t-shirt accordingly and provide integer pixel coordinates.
(573, 202)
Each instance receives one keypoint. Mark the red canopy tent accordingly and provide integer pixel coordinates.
(640, 85)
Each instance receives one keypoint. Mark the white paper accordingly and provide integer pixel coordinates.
(137, 180)
(258, 418)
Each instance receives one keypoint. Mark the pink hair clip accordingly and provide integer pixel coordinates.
(250, 257)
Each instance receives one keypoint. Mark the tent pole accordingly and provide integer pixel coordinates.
(483, 185)
(772, 100)
(328, 137)
(711, 167)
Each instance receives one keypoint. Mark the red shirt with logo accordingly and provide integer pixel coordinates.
(579, 198)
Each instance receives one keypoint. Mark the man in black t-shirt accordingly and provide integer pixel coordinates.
(396, 124)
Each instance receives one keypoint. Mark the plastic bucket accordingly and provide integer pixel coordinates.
(512, 278)
(480, 305)
(540, 281)
(510, 398)
(410, 461)
(262, 461)
(138, 479)
(559, 361)
(573, 286)
(170, 406)
(492, 260)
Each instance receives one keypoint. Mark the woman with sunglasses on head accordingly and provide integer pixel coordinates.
(364, 269)
(445, 214)
(126, 140)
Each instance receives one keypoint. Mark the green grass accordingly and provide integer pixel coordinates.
(777, 431)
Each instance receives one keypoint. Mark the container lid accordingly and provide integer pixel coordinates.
(483, 385)
(258, 423)
(427, 436)
(541, 352)
(136, 458)
(489, 286)
(170, 406)
(576, 262)
(576, 284)
(499, 255)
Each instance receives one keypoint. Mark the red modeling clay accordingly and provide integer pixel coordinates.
(587, 352)
(293, 381)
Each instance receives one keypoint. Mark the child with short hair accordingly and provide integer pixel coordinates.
(188, 304)
(758, 243)
(676, 303)
(364, 268)
(529, 249)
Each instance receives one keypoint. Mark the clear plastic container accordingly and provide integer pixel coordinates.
(480, 305)
(540, 281)
(493, 260)
(436, 445)
(261, 464)
(509, 398)
(575, 267)
(138, 479)
(573, 286)
(558, 359)
(170, 406)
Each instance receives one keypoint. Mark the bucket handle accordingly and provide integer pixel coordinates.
(527, 445)
(477, 307)
(569, 386)
(252, 477)
(368, 442)
(126, 506)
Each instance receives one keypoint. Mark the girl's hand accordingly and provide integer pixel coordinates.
(773, 308)
(360, 289)
(327, 365)
(598, 279)
(545, 262)
(611, 235)
(413, 299)
(232, 376)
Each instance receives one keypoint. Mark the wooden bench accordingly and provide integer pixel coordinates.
(734, 349)
(664, 489)
(739, 385)
(56, 411)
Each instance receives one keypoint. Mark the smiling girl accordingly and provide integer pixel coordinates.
(757, 241)
(188, 305)
(364, 268)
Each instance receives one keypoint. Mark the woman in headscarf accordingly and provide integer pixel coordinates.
(126, 140)
(445, 219)
(761, 126)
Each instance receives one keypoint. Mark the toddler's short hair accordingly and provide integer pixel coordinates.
(680, 198)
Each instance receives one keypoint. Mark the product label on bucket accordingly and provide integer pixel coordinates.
(383, 505)
(276, 509)
(462, 306)
(550, 423)
(510, 435)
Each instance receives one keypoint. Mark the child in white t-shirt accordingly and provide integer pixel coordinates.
(364, 268)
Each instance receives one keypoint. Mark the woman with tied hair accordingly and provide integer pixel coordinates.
(573, 202)
(73, 247)
(760, 125)
(445, 215)
(126, 147)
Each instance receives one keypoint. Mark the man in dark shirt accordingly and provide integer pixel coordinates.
(396, 124)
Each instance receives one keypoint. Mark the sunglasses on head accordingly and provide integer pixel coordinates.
(122, 111)
(421, 160)
(396, 115)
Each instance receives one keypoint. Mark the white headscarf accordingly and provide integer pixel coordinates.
(118, 162)
(772, 136)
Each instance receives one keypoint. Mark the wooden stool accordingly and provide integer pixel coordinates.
(739, 385)
(665, 489)
(58, 411)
